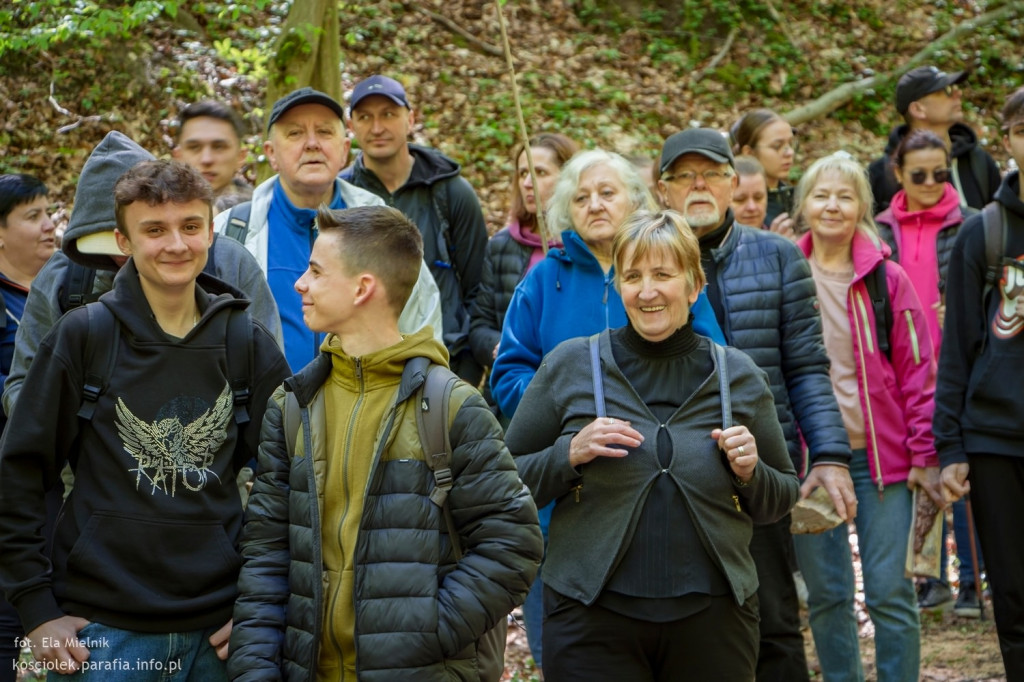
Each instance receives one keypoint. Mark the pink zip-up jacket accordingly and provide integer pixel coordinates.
(897, 397)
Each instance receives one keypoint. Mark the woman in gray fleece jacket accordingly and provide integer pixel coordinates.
(648, 572)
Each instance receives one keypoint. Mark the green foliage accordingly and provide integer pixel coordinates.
(39, 25)
(251, 61)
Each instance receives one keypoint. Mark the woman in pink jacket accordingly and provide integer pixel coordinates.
(920, 226)
(886, 404)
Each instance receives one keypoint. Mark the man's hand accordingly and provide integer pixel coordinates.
(954, 481)
(56, 642)
(836, 481)
(220, 639)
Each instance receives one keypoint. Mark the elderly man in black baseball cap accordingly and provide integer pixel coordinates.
(307, 146)
(930, 99)
(760, 287)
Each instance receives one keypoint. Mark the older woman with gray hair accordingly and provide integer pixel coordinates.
(660, 449)
(570, 293)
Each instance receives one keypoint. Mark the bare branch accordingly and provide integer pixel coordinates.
(719, 56)
(64, 112)
(458, 30)
(839, 96)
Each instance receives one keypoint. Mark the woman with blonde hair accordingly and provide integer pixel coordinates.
(660, 450)
(886, 401)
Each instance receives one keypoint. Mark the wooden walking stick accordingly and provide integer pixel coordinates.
(974, 557)
(542, 227)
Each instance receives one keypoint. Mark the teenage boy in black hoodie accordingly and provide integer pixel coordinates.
(979, 414)
(140, 581)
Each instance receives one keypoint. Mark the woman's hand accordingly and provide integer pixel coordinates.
(783, 225)
(740, 449)
(597, 438)
(927, 479)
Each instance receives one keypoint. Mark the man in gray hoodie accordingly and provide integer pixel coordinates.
(89, 241)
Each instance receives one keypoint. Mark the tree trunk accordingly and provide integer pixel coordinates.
(308, 53)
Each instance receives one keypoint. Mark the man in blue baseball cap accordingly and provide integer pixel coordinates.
(427, 187)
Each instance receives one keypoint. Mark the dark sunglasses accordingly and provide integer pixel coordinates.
(920, 176)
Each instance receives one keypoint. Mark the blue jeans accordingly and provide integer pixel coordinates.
(127, 656)
(883, 524)
(533, 607)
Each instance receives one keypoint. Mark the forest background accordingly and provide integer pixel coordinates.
(622, 75)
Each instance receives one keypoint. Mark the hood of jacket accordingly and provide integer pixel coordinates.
(382, 365)
(1008, 193)
(961, 135)
(531, 238)
(430, 166)
(945, 212)
(94, 197)
(128, 303)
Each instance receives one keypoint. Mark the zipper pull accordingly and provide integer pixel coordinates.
(736, 501)
(576, 490)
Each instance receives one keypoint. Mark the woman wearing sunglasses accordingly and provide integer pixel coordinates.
(920, 226)
(923, 219)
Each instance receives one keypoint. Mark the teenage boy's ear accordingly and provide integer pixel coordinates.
(366, 289)
(123, 242)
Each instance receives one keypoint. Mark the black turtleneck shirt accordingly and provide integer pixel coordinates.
(666, 572)
(713, 240)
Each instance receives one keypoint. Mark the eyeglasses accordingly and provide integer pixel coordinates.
(940, 175)
(711, 177)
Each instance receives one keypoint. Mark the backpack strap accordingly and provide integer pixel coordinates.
(595, 370)
(881, 305)
(993, 218)
(237, 226)
(239, 354)
(724, 392)
(445, 243)
(104, 335)
(77, 287)
(432, 422)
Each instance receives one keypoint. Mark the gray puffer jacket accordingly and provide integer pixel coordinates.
(771, 313)
(418, 612)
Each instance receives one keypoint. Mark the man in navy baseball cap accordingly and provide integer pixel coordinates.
(429, 189)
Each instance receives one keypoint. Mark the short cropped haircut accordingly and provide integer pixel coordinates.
(159, 182)
(658, 232)
(17, 189)
(747, 130)
(1013, 109)
(915, 141)
(849, 170)
(379, 240)
(559, 213)
(212, 109)
(561, 146)
(748, 165)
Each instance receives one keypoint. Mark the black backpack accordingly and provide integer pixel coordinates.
(994, 223)
(101, 353)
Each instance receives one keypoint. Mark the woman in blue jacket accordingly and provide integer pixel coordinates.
(571, 293)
